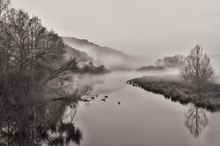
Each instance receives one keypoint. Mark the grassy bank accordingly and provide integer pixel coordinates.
(180, 91)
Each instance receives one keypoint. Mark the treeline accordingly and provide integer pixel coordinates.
(151, 68)
(176, 61)
(75, 66)
(91, 68)
(172, 61)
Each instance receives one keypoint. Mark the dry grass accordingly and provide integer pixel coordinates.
(177, 90)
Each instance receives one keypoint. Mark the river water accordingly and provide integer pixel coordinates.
(131, 116)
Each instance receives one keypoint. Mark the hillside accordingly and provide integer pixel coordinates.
(110, 58)
(77, 54)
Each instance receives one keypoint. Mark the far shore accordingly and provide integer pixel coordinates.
(173, 88)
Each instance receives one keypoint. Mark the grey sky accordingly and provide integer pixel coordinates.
(159, 27)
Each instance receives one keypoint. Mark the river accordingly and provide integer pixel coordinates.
(131, 116)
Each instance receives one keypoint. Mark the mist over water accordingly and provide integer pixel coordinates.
(107, 73)
(141, 118)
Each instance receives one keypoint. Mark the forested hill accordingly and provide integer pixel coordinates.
(109, 57)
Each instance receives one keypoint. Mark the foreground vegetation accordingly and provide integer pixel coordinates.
(33, 113)
(177, 90)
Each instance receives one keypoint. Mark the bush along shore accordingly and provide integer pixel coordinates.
(180, 91)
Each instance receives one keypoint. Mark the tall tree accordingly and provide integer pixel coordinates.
(198, 68)
(25, 42)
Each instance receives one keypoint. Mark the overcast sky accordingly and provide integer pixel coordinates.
(135, 26)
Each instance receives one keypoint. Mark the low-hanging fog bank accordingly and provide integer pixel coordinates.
(111, 58)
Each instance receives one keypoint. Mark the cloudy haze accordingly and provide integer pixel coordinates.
(158, 27)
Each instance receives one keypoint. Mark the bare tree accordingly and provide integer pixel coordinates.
(198, 68)
(28, 39)
(185, 73)
(25, 42)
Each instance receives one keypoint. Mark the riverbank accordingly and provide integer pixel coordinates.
(179, 91)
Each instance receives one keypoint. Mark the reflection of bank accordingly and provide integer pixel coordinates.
(51, 124)
(64, 132)
(196, 120)
(32, 115)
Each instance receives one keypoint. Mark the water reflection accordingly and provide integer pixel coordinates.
(196, 120)
(33, 114)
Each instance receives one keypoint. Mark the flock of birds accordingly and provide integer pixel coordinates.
(104, 99)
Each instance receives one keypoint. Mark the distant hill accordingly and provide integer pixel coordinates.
(77, 54)
(109, 57)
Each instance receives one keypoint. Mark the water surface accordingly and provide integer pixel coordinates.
(130, 116)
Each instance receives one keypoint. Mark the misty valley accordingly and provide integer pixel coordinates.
(64, 91)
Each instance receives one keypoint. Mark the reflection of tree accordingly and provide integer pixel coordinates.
(64, 133)
(196, 120)
(27, 119)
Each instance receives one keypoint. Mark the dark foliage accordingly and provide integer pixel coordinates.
(151, 68)
(29, 54)
(27, 118)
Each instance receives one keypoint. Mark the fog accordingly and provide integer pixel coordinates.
(142, 27)
(149, 29)
(113, 64)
